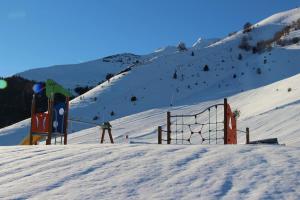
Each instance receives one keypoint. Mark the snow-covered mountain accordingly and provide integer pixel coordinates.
(172, 78)
(83, 74)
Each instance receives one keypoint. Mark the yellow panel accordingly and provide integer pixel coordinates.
(35, 139)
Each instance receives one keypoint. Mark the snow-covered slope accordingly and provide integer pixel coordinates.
(149, 172)
(83, 74)
(269, 111)
(171, 79)
(179, 78)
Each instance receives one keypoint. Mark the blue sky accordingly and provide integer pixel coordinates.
(40, 33)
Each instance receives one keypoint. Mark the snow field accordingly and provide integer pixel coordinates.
(149, 172)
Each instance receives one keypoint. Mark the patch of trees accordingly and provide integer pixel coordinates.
(122, 58)
(264, 45)
(16, 99)
(247, 27)
(287, 42)
(125, 70)
(244, 44)
(258, 70)
(206, 68)
(81, 90)
(181, 46)
(109, 76)
(240, 57)
(133, 99)
(175, 75)
(95, 118)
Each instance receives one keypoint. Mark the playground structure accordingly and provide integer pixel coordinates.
(54, 122)
(214, 125)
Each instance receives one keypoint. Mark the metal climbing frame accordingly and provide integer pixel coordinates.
(214, 125)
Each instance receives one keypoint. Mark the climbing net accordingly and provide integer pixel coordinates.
(206, 127)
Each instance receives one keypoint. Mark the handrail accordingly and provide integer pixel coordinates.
(194, 115)
(84, 122)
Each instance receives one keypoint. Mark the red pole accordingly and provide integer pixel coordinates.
(225, 121)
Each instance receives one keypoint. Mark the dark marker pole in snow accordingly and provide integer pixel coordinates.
(168, 127)
(247, 136)
(159, 136)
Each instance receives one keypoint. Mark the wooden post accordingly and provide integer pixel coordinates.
(102, 137)
(247, 136)
(32, 113)
(168, 127)
(50, 110)
(110, 136)
(159, 137)
(66, 121)
(225, 121)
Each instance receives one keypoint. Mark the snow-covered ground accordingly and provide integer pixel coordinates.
(150, 172)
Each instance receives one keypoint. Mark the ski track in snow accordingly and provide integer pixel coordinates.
(149, 172)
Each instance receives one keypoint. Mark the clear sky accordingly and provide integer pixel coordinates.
(40, 33)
